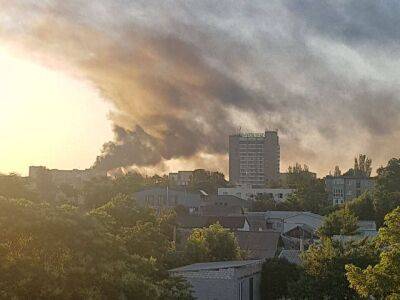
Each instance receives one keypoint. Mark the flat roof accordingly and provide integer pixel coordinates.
(215, 265)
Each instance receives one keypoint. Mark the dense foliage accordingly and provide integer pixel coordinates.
(115, 251)
(310, 194)
(207, 181)
(324, 275)
(340, 222)
(385, 197)
(383, 279)
(276, 276)
(213, 243)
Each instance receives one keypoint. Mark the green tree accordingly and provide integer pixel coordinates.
(310, 196)
(362, 167)
(213, 243)
(60, 252)
(382, 280)
(142, 232)
(324, 275)
(207, 181)
(387, 190)
(337, 172)
(276, 275)
(362, 207)
(340, 222)
(14, 186)
(263, 202)
(298, 176)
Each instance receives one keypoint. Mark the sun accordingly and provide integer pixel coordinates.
(47, 117)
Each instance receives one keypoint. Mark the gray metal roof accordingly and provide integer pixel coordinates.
(292, 256)
(216, 265)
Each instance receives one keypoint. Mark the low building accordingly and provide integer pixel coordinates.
(181, 178)
(367, 228)
(161, 198)
(249, 193)
(341, 189)
(59, 177)
(227, 280)
(223, 205)
(297, 224)
(259, 244)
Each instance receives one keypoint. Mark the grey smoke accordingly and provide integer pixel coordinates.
(184, 75)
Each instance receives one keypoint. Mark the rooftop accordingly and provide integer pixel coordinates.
(292, 256)
(232, 222)
(216, 265)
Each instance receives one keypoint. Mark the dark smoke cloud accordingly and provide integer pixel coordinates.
(184, 75)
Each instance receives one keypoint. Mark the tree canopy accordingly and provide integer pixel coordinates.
(382, 280)
(340, 222)
(213, 243)
(323, 273)
(62, 252)
(362, 167)
(276, 275)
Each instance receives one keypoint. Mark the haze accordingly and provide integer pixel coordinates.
(174, 79)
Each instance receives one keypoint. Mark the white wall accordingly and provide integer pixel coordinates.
(247, 193)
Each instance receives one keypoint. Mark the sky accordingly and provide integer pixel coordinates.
(159, 85)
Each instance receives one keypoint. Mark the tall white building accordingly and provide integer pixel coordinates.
(254, 158)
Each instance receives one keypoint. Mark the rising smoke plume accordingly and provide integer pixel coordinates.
(184, 75)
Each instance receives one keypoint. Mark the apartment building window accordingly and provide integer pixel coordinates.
(337, 193)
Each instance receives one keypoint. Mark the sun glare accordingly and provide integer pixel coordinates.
(46, 117)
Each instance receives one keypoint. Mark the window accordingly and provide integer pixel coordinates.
(337, 193)
(251, 288)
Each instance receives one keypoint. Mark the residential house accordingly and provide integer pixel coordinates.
(227, 280)
(286, 222)
(223, 205)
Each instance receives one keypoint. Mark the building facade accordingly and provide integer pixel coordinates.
(228, 280)
(249, 193)
(181, 178)
(73, 177)
(254, 158)
(345, 188)
(162, 198)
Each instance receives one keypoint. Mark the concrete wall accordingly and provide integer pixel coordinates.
(224, 284)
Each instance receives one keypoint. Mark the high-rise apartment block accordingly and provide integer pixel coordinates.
(254, 158)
